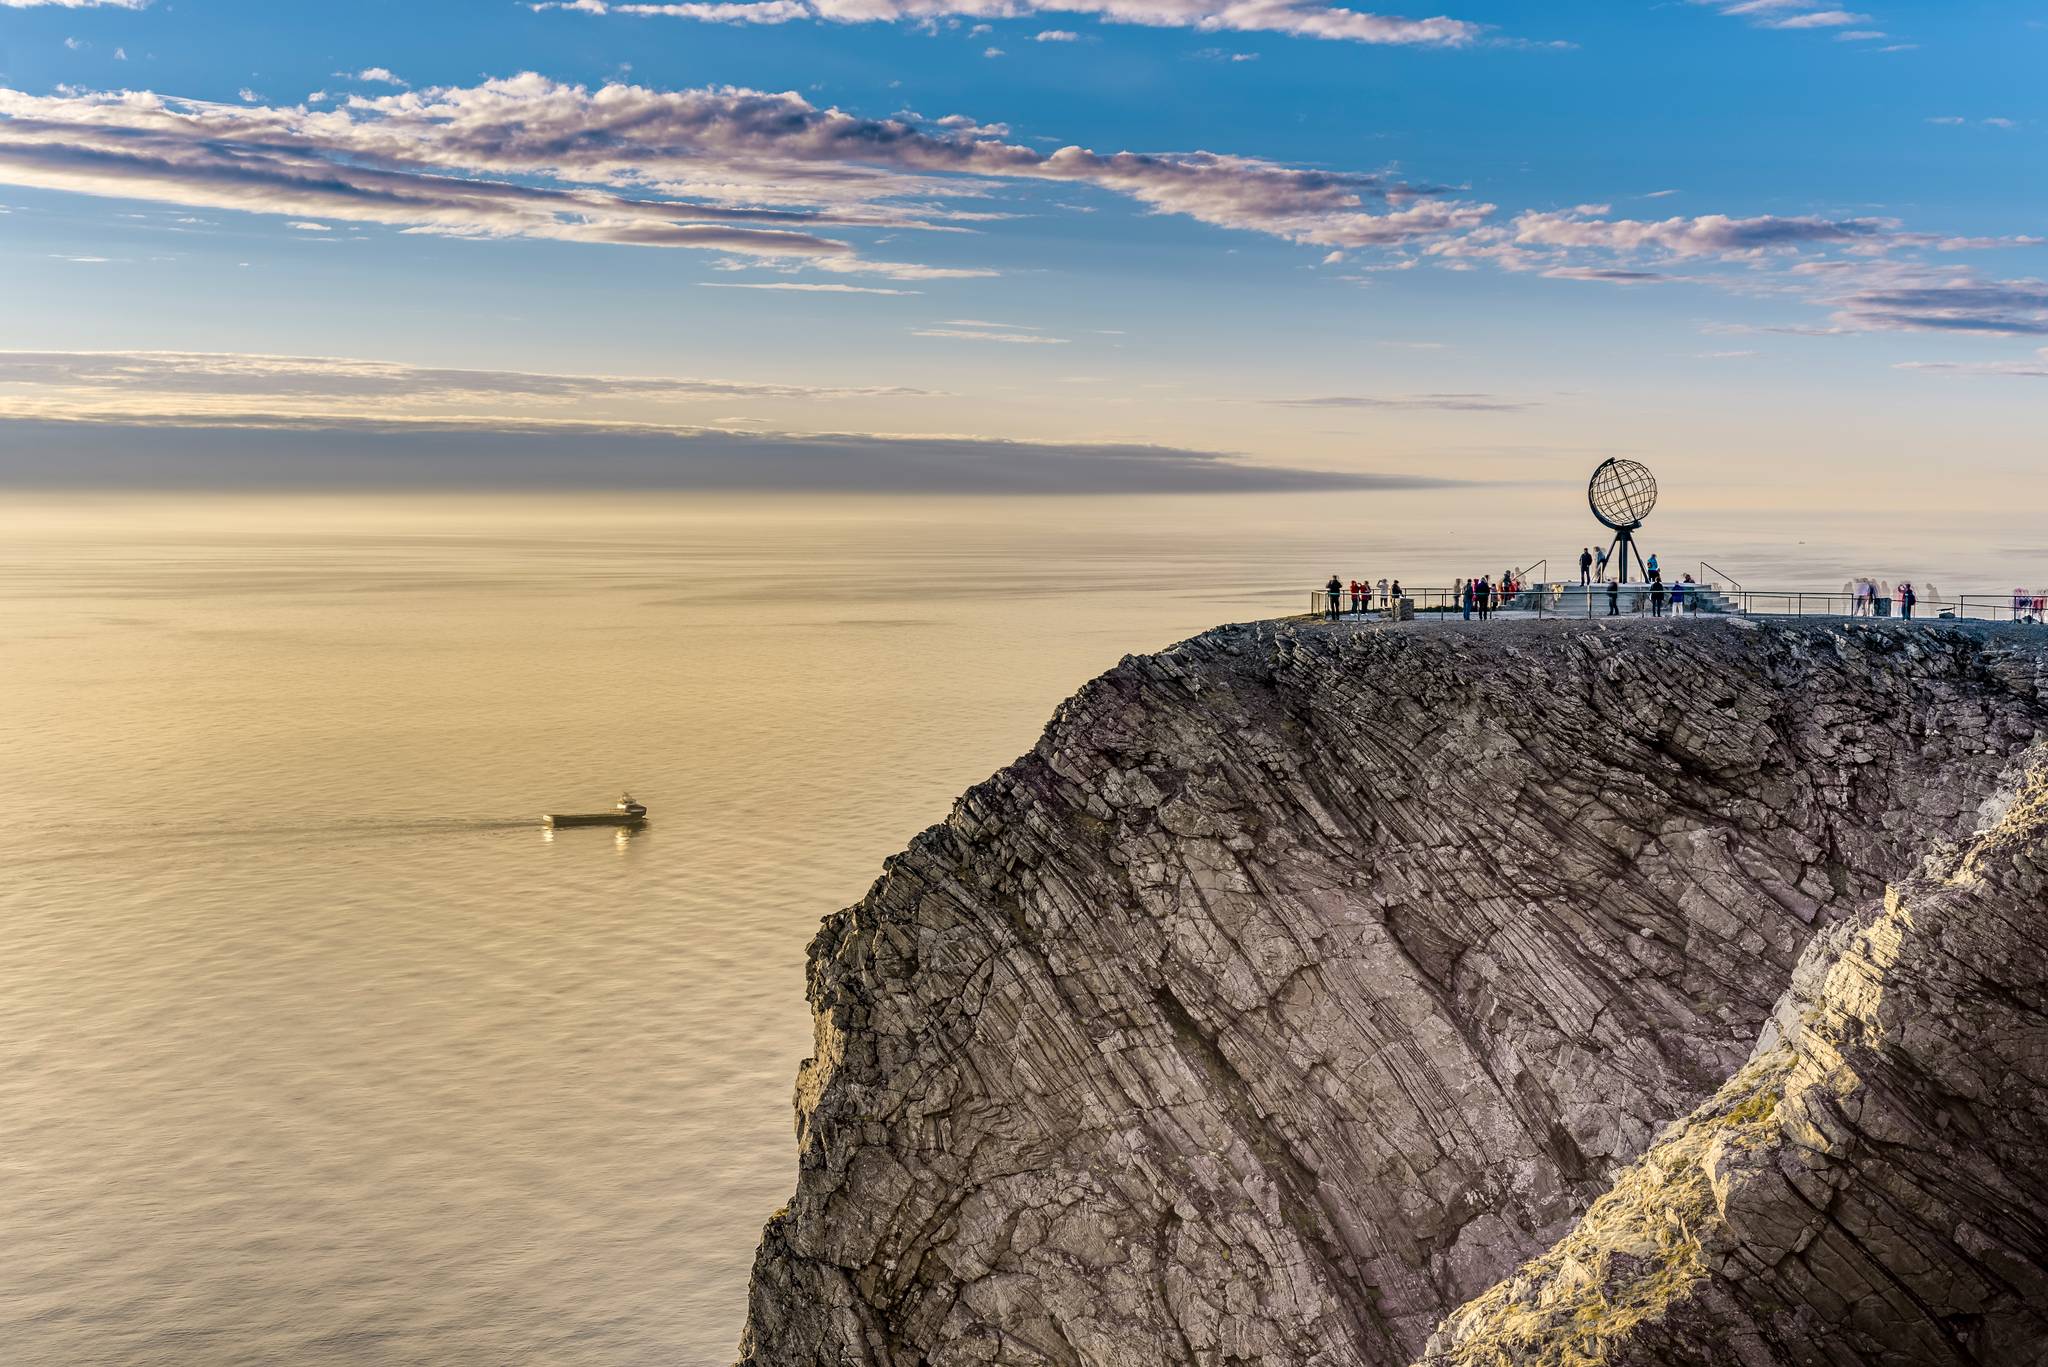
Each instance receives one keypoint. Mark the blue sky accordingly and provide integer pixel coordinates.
(1778, 239)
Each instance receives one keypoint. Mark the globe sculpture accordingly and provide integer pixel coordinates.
(1621, 494)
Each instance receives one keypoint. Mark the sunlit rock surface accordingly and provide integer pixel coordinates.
(1305, 981)
(1870, 1189)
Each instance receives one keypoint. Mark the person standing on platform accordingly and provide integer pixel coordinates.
(1465, 597)
(1333, 598)
(1586, 567)
(1613, 598)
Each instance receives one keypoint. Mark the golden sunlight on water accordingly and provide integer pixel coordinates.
(314, 1045)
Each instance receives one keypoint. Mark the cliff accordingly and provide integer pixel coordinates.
(1305, 982)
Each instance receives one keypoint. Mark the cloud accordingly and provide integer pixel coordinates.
(747, 172)
(1610, 274)
(2023, 370)
(73, 4)
(1303, 18)
(1443, 403)
(263, 450)
(1957, 302)
(810, 287)
(987, 333)
(1826, 18)
(1708, 235)
(1056, 35)
(1586, 243)
(196, 384)
(380, 75)
(1792, 14)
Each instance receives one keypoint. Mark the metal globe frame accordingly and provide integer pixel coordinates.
(1629, 484)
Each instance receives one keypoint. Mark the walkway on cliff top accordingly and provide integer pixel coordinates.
(1576, 602)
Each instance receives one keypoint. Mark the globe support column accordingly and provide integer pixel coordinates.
(1625, 546)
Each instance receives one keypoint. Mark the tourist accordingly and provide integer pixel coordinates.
(1651, 569)
(1656, 594)
(1383, 592)
(1394, 595)
(1586, 567)
(1464, 592)
(1357, 596)
(1907, 598)
(1333, 598)
(1613, 598)
(1600, 564)
(1484, 595)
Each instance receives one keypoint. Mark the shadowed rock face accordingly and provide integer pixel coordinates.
(1303, 982)
(1871, 1188)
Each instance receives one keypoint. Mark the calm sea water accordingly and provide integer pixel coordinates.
(314, 1047)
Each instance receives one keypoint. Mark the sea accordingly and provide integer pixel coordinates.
(316, 1047)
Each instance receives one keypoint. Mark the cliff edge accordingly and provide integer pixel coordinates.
(1305, 982)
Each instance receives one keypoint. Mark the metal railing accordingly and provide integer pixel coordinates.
(1964, 607)
(1718, 574)
(1545, 601)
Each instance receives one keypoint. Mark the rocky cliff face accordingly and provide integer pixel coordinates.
(1871, 1188)
(1304, 982)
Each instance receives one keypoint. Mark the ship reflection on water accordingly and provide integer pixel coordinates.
(622, 836)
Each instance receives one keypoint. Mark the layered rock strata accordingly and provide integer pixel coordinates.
(1304, 981)
(1871, 1188)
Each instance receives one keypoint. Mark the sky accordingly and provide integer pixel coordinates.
(1793, 251)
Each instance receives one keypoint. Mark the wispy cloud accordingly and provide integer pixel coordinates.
(799, 286)
(1303, 18)
(746, 172)
(1612, 275)
(198, 385)
(74, 4)
(2036, 369)
(1796, 15)
(1445, 403)
(975, 330)
(1909, 301)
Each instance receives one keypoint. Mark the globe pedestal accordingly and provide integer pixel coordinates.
(1618, 555)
